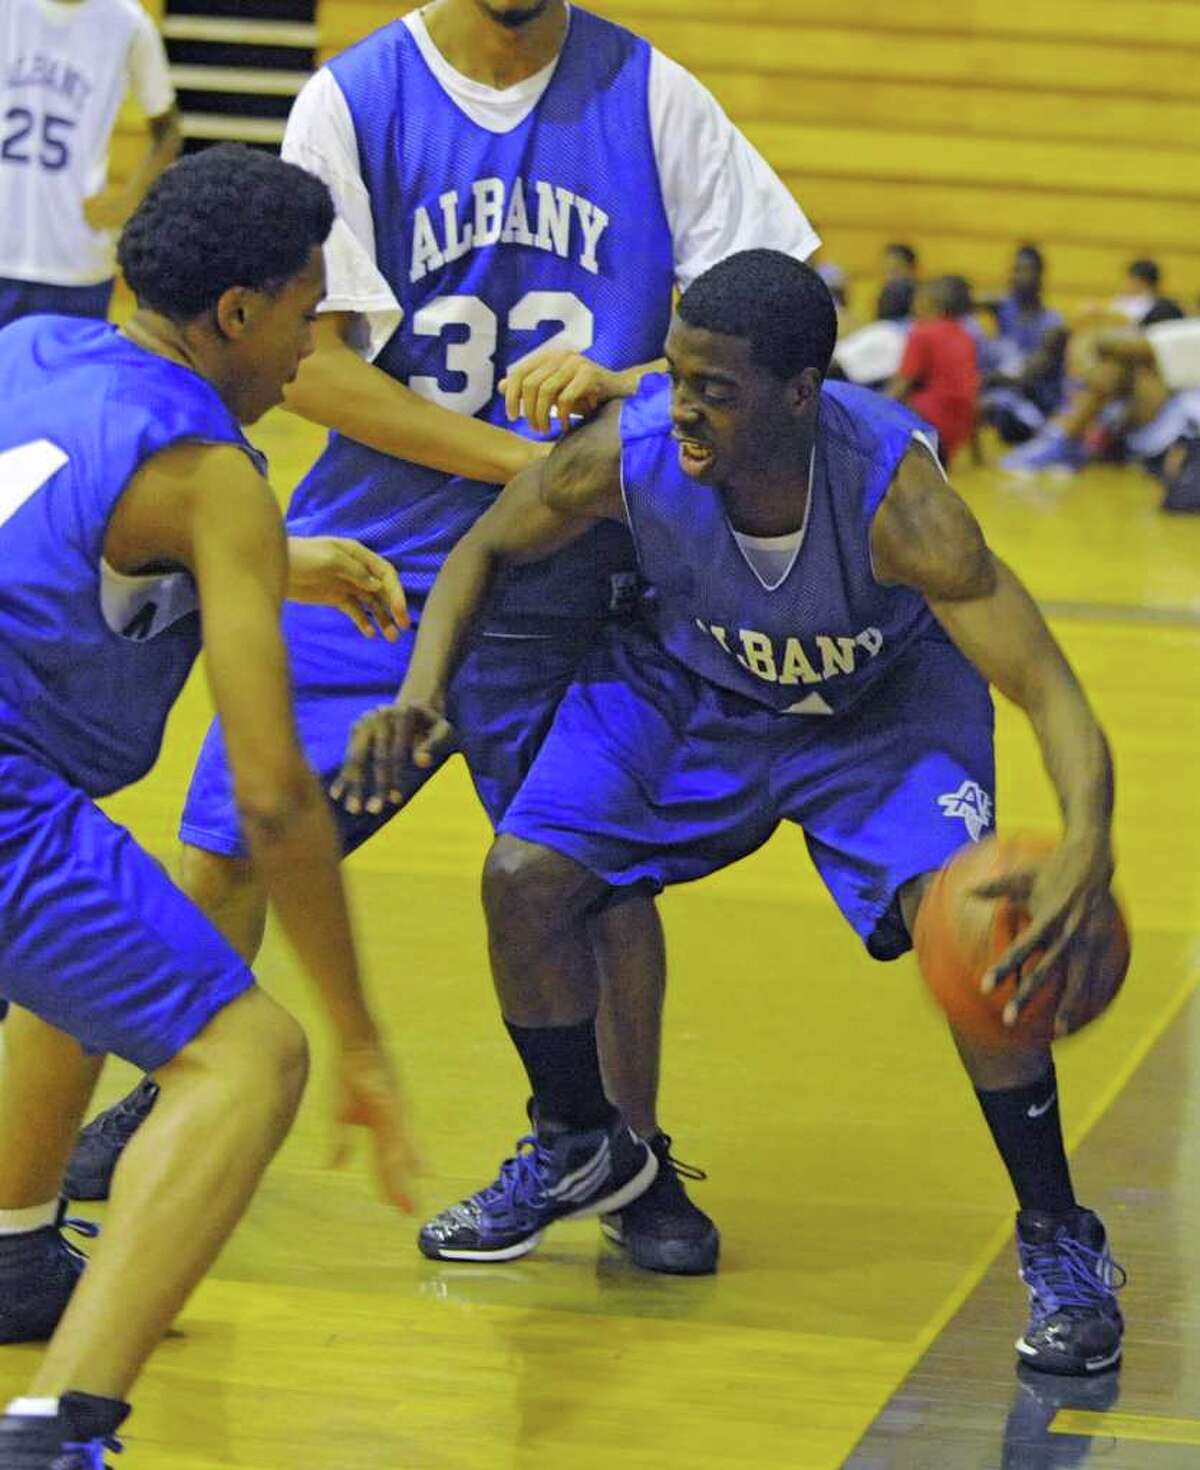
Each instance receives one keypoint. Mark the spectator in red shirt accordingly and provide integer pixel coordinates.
(939, 373)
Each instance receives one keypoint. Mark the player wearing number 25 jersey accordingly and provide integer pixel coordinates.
(475, 227)
(65, 67)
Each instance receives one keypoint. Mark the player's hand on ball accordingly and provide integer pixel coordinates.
(1063, 897)
(558, 383)
(369, 1097)
(384, 744)
(337, 572)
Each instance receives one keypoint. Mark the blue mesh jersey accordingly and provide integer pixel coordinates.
(91, 661)
(818, 641)
(494, 245)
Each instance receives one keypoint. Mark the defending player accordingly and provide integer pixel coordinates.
(65, 69)
(520, 187)
(826, 618)
(130, 505)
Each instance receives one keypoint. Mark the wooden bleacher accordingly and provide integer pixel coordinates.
(1074, 124)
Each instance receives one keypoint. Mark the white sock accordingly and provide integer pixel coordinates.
(34, 1408)
(21, 1222)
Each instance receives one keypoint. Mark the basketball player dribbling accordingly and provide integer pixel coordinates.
(825, 619)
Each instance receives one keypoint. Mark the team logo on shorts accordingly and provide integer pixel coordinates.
(972, 804)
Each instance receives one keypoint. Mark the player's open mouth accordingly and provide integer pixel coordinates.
(694, 457)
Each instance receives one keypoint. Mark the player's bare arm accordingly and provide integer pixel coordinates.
(337, 389)
(545, 508)
(116, 203)
(925, 537)
(208, 509)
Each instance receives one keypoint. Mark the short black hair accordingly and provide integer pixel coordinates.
(1148, 271)
(906, 253)
(896, 301)
(954, 294)
(1034, 255)
(227, 216)
(777, 303)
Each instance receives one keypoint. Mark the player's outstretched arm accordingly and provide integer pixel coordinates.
(236, 549)
(338, 390)
(925, 537)
(544, 509)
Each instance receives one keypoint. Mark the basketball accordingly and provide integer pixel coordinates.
(958, 935)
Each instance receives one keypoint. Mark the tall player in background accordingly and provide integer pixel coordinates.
(65, 69)
(520, 189)
(130, 504)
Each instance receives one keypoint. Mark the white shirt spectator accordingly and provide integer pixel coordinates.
(65, 69)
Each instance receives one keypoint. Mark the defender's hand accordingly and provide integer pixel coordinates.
(384, 744)
(559, 382)
(1063, 897)
(369, 1097)
(337, 572)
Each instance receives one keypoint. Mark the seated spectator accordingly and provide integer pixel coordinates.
(1024, 364)
(939, 372)
(899, 264)
(871, 355)
(835, 278)
(1154, 376)
(1142, 304)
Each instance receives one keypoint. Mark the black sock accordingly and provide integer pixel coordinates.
(1028, 1132)
(91, 1417)
(564, 1072)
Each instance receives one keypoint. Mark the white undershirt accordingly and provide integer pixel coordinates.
(771, 557)
(720, 195)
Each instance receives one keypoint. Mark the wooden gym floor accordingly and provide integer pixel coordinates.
(867, 1302)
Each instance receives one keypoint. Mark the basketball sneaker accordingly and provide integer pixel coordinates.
(554, 1175)
(102, 1142)
(38, 1272)
(662, 1230)
(1075, 1325)
(74, 1439)
(1050, 449)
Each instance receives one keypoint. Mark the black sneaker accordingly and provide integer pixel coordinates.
(102, 1142)
(663, 1230)
(75, 1439)
(1075, 1326)
(554, 1175)
(38, 1272)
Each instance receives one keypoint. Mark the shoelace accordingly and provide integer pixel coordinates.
(684, 1171)
(91, 1454)
(520, 1179)
(86, 1228)
(1065, 1274)
(121, 1122)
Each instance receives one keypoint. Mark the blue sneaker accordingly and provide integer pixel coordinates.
(75, 1439)
(1049, 450)
(1075, 1326)
(553, 1176)
(38, 1272)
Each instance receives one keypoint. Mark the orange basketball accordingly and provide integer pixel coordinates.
(958, 935)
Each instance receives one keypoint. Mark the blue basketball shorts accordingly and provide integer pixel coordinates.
(33, 298)
(94, 936)
(650, 776)
(501, 704)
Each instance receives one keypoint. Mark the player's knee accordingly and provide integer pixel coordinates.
(258, 1052)
(527, 887)
(228, 891)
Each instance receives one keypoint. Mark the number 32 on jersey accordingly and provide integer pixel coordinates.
(473, 357)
